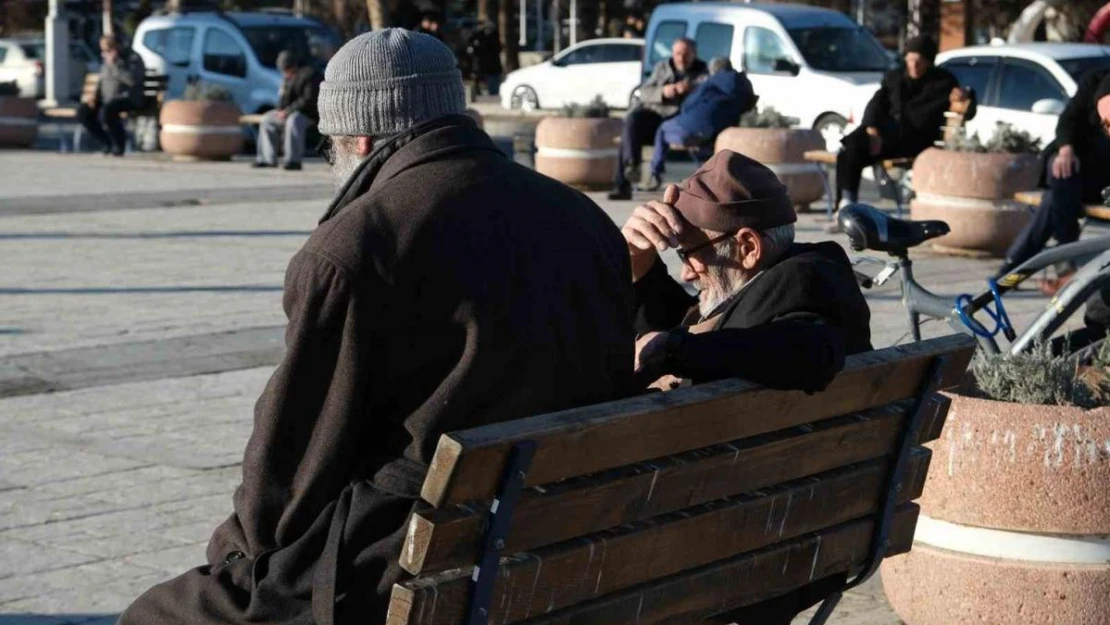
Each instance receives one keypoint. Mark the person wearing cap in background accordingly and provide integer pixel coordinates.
(439, 292)
(296, 112)
(903, 118)
(770, 310)
(1075, 172)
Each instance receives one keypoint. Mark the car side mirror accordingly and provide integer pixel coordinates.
(786, 66)
(1049, 106)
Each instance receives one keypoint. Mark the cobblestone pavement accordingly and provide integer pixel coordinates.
(133, 344)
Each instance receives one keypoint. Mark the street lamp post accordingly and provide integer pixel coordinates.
(57, 54)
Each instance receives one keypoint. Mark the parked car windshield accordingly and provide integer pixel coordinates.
(838, 49)
(1078, 66)
(34, 51)
(317, 43)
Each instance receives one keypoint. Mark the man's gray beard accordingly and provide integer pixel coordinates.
(718, 285)
(345, 164)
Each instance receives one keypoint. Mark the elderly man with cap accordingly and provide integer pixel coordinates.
(903, 118)
(295, 113)
(770, 310)
(438, 293)
(1075, 173)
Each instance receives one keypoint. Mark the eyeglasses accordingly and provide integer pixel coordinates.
(323, 149)
(684, 253)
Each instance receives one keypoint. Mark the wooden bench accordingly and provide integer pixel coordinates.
(154, 93)
(1033, 198)
(675, 507)
(882, 169)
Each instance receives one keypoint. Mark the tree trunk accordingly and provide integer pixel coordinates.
(107, 27)
(509, 28)
(379, 14)
(484, 9)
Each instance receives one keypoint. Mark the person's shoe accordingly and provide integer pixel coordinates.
(633, 174)
(654, 184)
(623, 192)
(1052, 286)
(262, 165)
(292, 167)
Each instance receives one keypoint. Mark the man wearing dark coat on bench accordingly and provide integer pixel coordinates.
(903, 118)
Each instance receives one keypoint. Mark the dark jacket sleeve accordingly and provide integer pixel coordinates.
(310, 418)
(926, 111)
(877, 113)
(661, 302)
(799, 351)
(302, 94)
(1073, 122)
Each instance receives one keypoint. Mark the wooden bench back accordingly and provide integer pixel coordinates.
(154, 90)
(658, 507)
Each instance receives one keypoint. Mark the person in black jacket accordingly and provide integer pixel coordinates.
(904, 117)
(296, 112)
(768, 310)
(1075, 172)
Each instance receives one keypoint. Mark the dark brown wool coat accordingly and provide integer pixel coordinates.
(446, 288)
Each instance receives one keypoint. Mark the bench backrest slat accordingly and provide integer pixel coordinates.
(467, 465)
(451, 537)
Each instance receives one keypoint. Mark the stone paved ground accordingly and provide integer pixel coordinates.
(133, 344)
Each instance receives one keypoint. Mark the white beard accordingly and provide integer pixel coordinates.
(717, 287)
(345, 165)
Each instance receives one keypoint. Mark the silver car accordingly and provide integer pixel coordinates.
(235, 51)
(23, 60)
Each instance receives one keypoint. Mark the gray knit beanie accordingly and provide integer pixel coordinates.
(387, 81)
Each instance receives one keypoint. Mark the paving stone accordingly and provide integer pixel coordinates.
(174, 560)
(76, 580)
(20, 558)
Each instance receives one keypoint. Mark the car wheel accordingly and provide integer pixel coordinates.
(832, 128)
(524, 98)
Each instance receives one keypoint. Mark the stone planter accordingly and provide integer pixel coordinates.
(203, 129)
(974, 194)
(580, 152)
(1015, 520)
(781, 150)
(19, 122)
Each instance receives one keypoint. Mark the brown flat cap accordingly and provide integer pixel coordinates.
(731, 191)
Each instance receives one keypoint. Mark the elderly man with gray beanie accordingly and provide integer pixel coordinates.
(445, 287)
(296, 112)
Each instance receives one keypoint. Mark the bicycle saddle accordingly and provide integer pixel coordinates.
(871, 229)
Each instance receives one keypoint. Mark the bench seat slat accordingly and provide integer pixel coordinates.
(555, 577)
(1033, 198)
(467, 464)
(689, 596)
(450, 537)
(824, 157)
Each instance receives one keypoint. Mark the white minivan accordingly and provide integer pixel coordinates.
(806, 62)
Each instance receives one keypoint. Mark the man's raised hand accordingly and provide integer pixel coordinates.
(653, 227)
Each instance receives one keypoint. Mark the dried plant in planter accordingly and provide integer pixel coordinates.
(1039, 378)
(767, 118)
(1006, 140)
(199, 91)
(595, 108)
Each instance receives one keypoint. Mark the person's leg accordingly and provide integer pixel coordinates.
(268, 131)
(669, 133)
(89, 117)
(854, 156)
(493, 83)
(1057, 216)
(624, 154)
(110, 113)
(296, 127)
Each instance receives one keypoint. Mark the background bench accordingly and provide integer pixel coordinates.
(881, 170)
(1033, 198)
(154, 93)
(676, 507)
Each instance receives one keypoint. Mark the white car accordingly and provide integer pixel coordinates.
(606, 67)
(807, 62)
(1026, 85)
(23, 61)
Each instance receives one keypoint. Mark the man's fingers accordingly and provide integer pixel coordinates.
(653, 214)
(670, 194)
(636, 239)
(649, 231)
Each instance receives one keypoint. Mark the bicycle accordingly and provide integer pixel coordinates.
(870, 229)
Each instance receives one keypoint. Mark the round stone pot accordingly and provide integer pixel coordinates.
(19, 122)
(204, 129)
(781, 150)
(974, 194)
(1015, 520)
(580, 152)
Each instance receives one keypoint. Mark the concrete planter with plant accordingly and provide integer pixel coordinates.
(773, 139)
(203, 125)
(971, 185)
(1015, 516)
(579, 147)
(19, 125)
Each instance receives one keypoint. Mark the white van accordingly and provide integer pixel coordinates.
(806, 62)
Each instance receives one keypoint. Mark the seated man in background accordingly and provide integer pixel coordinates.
(769, 310)
(1075, 172)
(118, 90)
(903, 118)
(671, 81)
(296, 112)
(715, 105)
